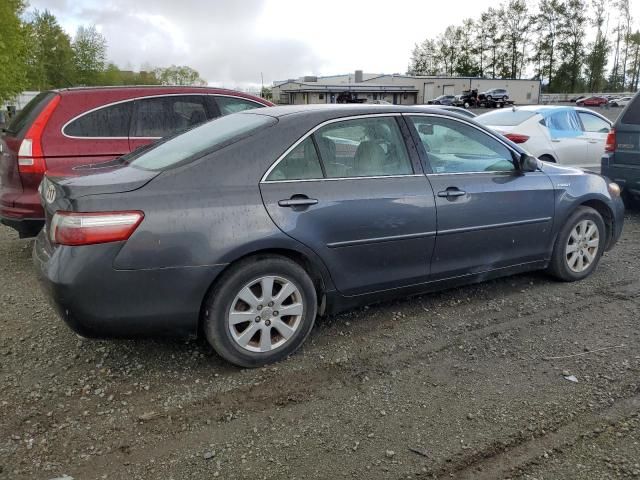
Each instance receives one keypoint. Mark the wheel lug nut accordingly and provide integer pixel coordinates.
(259, 307)
(276, 313)
(267, 322)
(257, 319)
(271, 304)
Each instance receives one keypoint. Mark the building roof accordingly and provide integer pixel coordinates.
(348, 87)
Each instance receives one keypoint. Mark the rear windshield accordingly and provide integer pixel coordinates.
(632, 112)
(199, 141)
(29, 113)
(506, 118)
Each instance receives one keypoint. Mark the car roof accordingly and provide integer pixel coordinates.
(344, 110)
(147, 90)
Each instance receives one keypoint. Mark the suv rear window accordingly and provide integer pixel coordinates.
(111, 121)
(30, 112)
(199, 141)
(632, 112)
(506, 118)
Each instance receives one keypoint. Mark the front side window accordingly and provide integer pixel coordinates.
(592, 123)
(302, 163)
(162, 116)
(455, 147)
(111, 121)
(228, 105)
(363, 147)
(199, 141)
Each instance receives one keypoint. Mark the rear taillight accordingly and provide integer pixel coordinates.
(30, 154)
(610, 145)
(73, 228)
(516, 137)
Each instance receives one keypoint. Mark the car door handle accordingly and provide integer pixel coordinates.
(297, 202)
(452, 193)
(555, 140)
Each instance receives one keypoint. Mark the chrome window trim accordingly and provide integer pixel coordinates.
(311, 132)
(489, 134)
(202, 94)
(332, 179)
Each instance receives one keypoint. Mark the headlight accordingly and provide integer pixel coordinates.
(614, 189)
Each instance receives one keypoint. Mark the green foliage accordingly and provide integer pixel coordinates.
(90, 51)
(178, 75)
(50, 63)
(13, 50)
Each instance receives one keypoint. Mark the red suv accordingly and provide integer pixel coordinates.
(59, 129)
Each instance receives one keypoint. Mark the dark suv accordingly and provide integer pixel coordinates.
(621, 161)
(66, 128)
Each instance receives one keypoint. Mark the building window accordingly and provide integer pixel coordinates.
(405, 96)
(321, 96)
(375, 96)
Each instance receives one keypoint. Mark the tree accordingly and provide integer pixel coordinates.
(178, 75)
(466, 65)
(89, 54)
(547, 24)
(495, 38)
(515, 22)
(266, 93)
(13, 50)
(424, 59)
(573, 21)
(634, 65)
(50, 61)
(599, 49)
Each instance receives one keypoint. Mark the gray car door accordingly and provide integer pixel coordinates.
(353, 191)
(490, 215)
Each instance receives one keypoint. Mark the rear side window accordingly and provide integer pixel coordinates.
(300, 164)
(29, 113)
(632, 112)
(592, 123)
(229, 105)
(199, 141)
(162, 116)
(107, 122)
(507, 118)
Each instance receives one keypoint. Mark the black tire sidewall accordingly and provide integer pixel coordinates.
(558, 265)
(219, 302)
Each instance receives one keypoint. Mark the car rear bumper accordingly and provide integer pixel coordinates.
(96, 300)
(627, 176)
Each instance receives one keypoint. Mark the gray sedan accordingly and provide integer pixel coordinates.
(246, 228)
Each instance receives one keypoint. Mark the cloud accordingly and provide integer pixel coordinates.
(219, 39)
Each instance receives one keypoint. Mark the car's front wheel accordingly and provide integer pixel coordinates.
(579, 245)
(260, 311)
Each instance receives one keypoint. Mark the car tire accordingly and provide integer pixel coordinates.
(467, 104)
(505, 98)
(578, 246)
(631, 202)
(267, 334)
(489, 97)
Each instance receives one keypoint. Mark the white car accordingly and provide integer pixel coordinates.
(570, 136)
(620, 102)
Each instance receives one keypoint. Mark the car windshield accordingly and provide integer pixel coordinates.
(199, 141)
(505, 118)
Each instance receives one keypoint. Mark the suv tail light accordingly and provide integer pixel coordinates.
(73, 228)
(610, 145)
(30, 154)
(517, 137)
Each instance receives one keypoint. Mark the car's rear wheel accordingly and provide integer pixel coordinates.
(260, 311)
(505, 98)
(579, 245)
(489, 97)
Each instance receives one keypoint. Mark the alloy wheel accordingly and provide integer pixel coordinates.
(265, 313)
(582, 246)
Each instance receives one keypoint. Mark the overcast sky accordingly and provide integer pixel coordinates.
(231, 41)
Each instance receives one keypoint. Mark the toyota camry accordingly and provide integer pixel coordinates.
(246, 228)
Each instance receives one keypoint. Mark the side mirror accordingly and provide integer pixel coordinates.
(527, 163)
(425, 128)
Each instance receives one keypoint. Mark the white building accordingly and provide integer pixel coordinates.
(396, 89)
